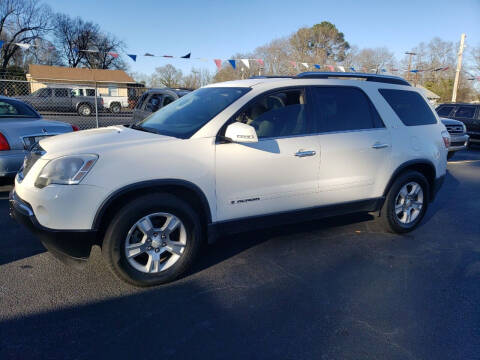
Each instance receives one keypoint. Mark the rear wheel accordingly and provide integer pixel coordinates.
(152, 240)
(115, 108)
(84, 110)
(406, 203)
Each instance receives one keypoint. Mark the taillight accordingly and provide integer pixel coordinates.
(75, 128)
(3, 143)
(446, 139)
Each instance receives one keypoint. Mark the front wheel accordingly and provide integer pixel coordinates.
(152, 240)
(406, 203)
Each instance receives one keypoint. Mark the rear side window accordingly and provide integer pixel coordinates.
(60, 92)
(444, 110)
(409, 106)
(466, 112)
(12, 108)
(342, 108)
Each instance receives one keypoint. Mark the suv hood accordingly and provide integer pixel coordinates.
(446, 121)
(97, 141)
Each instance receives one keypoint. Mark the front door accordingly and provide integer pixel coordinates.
(280, 172)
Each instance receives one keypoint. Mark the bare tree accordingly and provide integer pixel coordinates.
(21, 21)
(166, 76)
(82, 43)
(197, 78)
(374, 60)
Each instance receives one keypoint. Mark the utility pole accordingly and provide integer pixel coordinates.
(409, 62)
(459, 67)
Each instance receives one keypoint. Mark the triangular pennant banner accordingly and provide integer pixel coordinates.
(352, 68)
(445, 68)
(414, 71)
(1, 43)
(260, 62)
(148, 54)
(75, 49)
(23, 46)
(317, 66)
(218, 62)
(331, 67)
(232, 62)
(167, 56)
(293, 63)
(341, 68)
(246, 63)
(306, 65)
(113, 54)
(186, 56)
(132, 56)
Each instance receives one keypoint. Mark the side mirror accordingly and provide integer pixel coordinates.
(241, 133)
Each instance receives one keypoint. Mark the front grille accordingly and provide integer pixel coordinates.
(457, 143)
(455, 129)
(36, 153)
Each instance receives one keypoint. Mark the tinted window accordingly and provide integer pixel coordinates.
(61, 92)
(153, 103)
(444, 110)
(45, 92)
(277, 114)
(465, 112)
(185, 116)
(343, 109)
(12, 108)
(90, 92)
(409, 106)
(167, 100)
(140, 101)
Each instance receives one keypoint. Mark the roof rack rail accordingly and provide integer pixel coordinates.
(368, 77)
(271, 77)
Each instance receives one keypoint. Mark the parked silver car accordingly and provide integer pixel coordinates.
(459, 138)
(20, 128)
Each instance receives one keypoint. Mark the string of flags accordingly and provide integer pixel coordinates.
(246, 62)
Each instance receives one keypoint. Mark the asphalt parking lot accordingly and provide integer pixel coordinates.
(331, 289)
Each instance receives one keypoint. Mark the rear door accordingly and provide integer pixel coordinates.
(43, 101)
(354, 143)
(466, 114)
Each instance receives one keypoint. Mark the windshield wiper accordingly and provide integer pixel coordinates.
(146, 129)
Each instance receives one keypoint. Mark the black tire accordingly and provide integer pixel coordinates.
(116, 236)
(450, 155)
(115, 108)
(85, 110)
(388, 219)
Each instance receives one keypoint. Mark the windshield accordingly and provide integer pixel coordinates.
(185, 116)
(13, 109)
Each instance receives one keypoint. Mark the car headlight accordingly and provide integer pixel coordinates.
(66, 170)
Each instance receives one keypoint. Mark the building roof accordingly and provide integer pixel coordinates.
(45, 72)
(429, 94)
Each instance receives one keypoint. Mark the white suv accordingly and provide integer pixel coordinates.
(230, 157)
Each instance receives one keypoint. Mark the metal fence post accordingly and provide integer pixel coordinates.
(96, 105)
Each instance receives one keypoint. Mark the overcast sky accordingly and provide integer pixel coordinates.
(219, 29)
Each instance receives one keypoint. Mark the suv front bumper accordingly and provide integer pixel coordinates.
(458, 142)
(70, 246)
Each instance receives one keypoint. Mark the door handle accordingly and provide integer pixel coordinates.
(380, 145)
(304, 153)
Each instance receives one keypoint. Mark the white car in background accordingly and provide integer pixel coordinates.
(112, 103)
(230, 157)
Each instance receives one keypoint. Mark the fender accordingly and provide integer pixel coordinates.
(407, 164)
(151, 184)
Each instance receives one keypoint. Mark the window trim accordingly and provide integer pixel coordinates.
(453, 109)
(307, 90)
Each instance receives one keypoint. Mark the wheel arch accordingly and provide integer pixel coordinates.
(423, 166)
(185, 190)
(84, 103)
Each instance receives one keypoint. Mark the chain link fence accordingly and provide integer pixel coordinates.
(83, 105)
